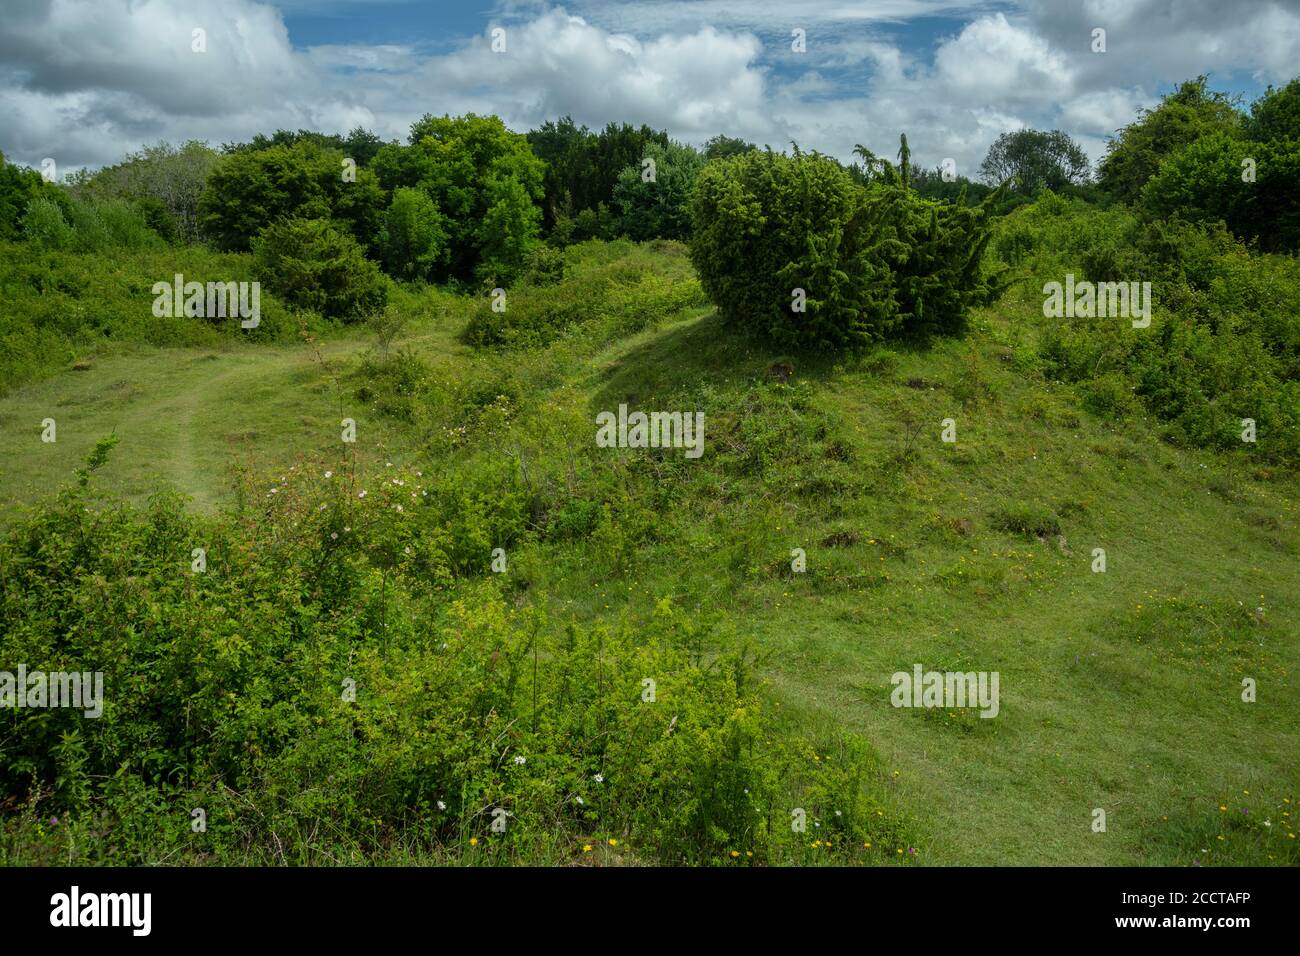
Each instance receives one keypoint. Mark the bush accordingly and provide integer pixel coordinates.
(43, 224)
(310, 263)
(345, 673)
(766, 225)
(88, 226)
(867, 261)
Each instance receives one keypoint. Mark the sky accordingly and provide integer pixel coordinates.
(84, 82)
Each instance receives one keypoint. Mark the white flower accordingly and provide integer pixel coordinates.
(274, 490)
(334, 534)
(408, 549)
(581, 802)
(329, 474)
(521, 760)
(361, 493)
(598, 778)
(441, 805)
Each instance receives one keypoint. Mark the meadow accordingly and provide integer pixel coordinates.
(1121, 690)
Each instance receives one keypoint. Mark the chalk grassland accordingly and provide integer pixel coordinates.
(1119, 690)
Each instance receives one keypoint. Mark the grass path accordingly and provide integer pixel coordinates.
(185, 416)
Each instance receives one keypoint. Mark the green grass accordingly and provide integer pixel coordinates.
(1119, 690)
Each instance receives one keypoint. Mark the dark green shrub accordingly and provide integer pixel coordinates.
(766, 225)
(796, 250)
(310, 263)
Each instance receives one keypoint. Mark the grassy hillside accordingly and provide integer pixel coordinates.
(1120, 690)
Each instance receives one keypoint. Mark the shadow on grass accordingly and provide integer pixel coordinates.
(709, 350)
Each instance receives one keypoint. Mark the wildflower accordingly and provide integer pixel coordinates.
(613, 842)
(334, 535)
(441, 805)
(581, 802)
(521, 760)
(473, 841)
(586, 848)
(599, 778)
(329, 474)
(735, 853)
(361, 493)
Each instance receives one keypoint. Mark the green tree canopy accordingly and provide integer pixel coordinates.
(413, 237)
(250, 189)
(465, 164)
(1182, 117)
(1036, 160)
(658, 207)
(172, 176)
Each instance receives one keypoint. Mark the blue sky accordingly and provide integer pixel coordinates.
(84, 81)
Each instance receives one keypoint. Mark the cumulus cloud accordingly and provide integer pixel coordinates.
(87, 80)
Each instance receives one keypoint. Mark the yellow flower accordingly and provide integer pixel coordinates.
(613, 842)
(749, 853)
(586, 848)
(735, 853)
(1222, 808)
(473, 841)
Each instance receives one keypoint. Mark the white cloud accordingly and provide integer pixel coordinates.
(87, 80)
